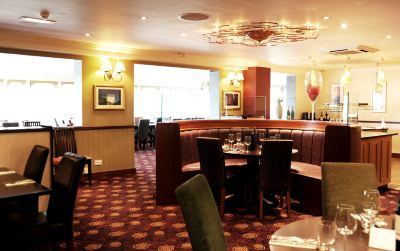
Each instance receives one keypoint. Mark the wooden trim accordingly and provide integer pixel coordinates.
(39, 53)
(256, 123)
(81, 128)
(395, 155)
(156, 63)
(378, 122)
(23, 129)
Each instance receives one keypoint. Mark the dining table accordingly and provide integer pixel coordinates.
(15, 186)
(307, 229)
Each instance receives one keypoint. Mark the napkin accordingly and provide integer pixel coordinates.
(20, 183)
(293, 241)
(6, 172)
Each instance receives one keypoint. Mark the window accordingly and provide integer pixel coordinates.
(40, 89)
(171, 92)
(283, 95)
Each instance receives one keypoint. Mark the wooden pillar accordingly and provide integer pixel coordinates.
(256, 91)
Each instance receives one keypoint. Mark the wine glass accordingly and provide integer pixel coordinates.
(261, 138)
(370, 206)
(247, 142)
(346, 224)
(231, 139)
(313, 84)
(238, 137)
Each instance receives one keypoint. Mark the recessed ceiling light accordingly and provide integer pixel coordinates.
(144, 18)
(183, 34)
(36, 20)
(194, 16)
(344, 25)
(388, 36)
(88, 34)
(326, 17)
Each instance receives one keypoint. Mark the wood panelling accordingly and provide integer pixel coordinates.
(14, 152)
(378, 151)
(115, 147)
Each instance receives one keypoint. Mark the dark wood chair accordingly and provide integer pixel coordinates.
(34, 169)
(274, 177)
(212, 166)
(64, 142)
(201, 215)
(23, 231)
(142, 134)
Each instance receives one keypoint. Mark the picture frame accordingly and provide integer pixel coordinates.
(109, 97)
(379, 92)
(337, 92)
(231, 100)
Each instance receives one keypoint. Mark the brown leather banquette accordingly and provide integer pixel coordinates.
(177, 157)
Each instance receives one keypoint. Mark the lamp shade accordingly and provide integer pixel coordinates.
(239, 76)
(119, 67)
(231, 75)
(106, 65)
(346, 76)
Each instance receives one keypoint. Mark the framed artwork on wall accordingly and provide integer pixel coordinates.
(231, 100)
(109, 97)
(337, 92)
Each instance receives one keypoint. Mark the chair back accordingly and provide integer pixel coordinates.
(36, 162)
(212, 162)
(345, 183)
(159, 120)
(276, 156)
(65, 188)
(143, 131)
(201, 216)
(64, 141)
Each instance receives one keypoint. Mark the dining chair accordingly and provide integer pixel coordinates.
(274, 176)
(34, 169)
(64, 142)
(212, 166)
(21, 230)
(344, 183)
(201, 216)
(142, 134)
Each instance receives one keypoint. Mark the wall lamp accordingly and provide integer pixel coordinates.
(235, 78)
(112, 72)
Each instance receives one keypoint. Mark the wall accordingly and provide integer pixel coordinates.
(225, 86)
(360, 89)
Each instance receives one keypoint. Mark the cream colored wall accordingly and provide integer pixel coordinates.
(225, 86)
(360, 89)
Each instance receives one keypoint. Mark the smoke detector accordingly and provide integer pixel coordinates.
(359, 49)
(44, 18)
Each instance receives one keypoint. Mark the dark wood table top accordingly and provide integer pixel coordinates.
(251, 153)
(16, 192)
(307, 228)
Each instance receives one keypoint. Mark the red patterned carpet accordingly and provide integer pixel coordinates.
(118, 213)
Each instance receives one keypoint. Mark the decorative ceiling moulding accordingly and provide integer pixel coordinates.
(255, 34)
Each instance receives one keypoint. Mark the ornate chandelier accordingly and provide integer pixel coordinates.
(260, 34)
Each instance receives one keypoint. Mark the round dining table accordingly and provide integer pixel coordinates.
(307, 229)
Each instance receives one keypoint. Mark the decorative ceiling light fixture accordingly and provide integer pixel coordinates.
(346, 76)
(235, 78)
(261, 34)
(112, 72)
(44, 18)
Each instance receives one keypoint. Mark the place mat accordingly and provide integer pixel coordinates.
(293, 241)
(20, 183)
(6, 172)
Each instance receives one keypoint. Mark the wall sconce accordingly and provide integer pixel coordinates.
(112, 72)
(235, 78)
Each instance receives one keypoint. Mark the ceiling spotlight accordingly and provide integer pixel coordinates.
(326, 17)
(183, 35)
(388, 36)
(87, 34)
(144, 18)
(44, 18)
(344, 25)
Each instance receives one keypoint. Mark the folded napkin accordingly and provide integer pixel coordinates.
(20, 183)
(6, 172)
(293, 241)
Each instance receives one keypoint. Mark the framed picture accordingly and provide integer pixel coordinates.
(109, 97)
(231, 100)
(379, 97)
(337, 94)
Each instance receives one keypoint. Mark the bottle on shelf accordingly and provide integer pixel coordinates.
(288, 114)
(321, 117)
(292, 114)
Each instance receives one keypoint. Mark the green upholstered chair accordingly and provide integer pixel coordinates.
(345, 183)
(201, 215)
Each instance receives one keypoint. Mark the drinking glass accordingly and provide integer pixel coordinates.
(370, 206)
(247, 142)
(238, 137)
(326, 234)
(277, 136)
(226, 144)
(346, 224)
(231, 139)
(261, 138)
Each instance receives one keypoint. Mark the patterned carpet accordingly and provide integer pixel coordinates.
(118, 213)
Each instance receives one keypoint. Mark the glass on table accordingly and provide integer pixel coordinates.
(326, 234)
(231, 139)
(346, 224)
(239, 137)
(370, 206)
(226, 145)
(247, 142)
(277, 136)
(261, 138)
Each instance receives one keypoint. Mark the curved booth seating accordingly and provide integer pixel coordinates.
(177, 157)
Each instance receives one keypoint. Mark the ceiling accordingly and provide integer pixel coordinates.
(116, 25)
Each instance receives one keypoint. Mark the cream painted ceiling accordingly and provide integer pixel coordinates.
(116, 25)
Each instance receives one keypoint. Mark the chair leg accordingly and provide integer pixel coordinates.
(90, 172)
(287, 202)
(261, 195)
(222, 203)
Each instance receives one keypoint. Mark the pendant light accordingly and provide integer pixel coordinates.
(346, 75)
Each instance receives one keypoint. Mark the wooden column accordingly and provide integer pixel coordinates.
(256, 91)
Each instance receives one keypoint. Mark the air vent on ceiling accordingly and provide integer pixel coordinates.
(353, 50)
